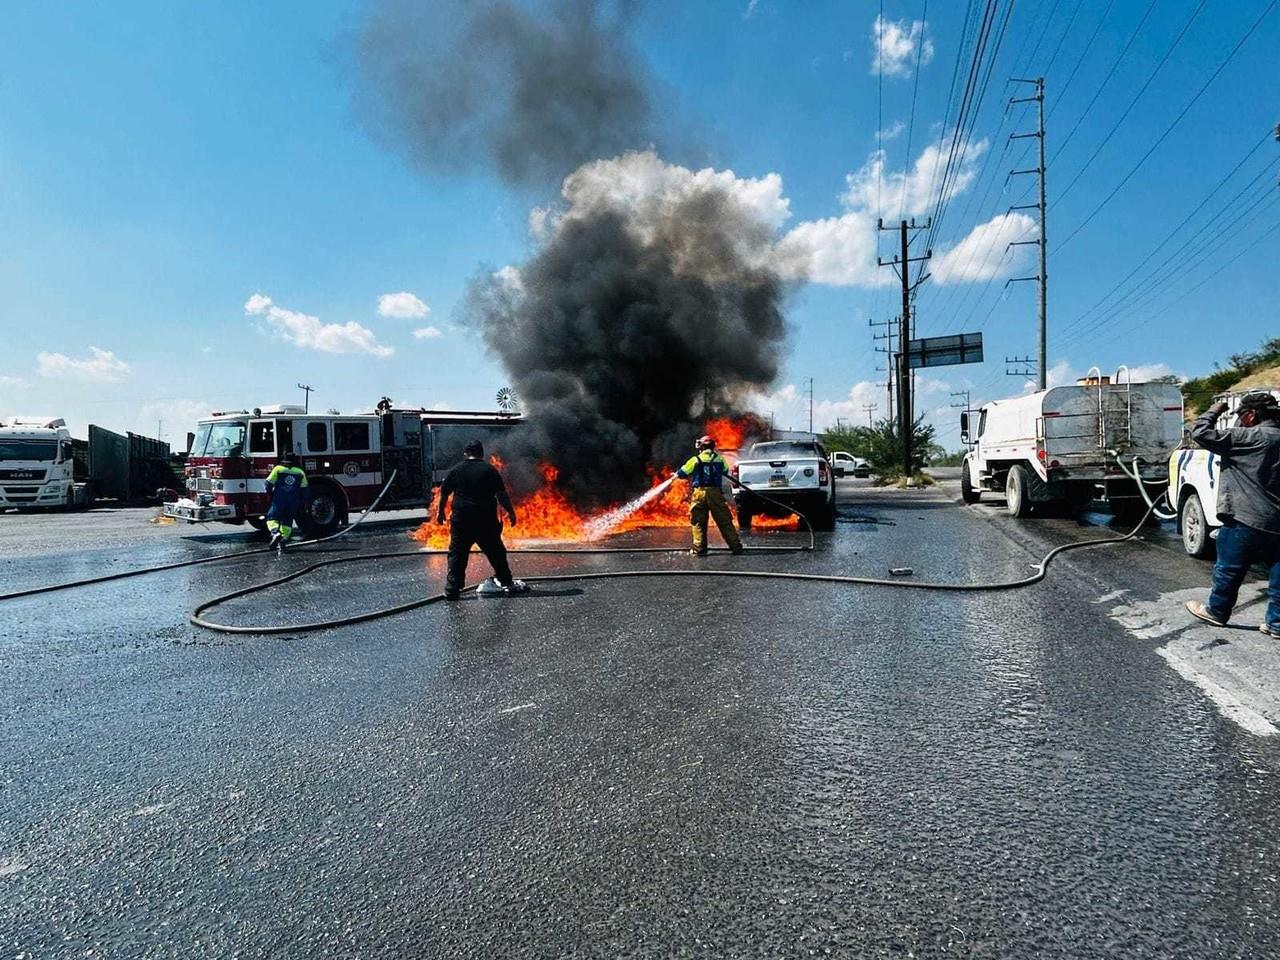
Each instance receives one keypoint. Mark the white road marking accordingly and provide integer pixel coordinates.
(1233, 667)
(12, 865)
(151, 810)
(1113, 595)
(517, 709)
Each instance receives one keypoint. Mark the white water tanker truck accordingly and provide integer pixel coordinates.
(1065, 446)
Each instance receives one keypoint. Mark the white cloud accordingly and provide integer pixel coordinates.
(914, 190)
(304, 330)
(101, 366)
(894, 46)
(985, 252)
(402, 306)
(751, 8)
(1063, 374)
(177, 417)
(893, 131)
(7, 381)
(841, 250)
(427, 333)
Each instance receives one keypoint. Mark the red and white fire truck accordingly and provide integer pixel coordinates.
(348, 459)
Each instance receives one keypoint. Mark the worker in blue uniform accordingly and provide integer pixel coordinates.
(707, 471)
(287, 488)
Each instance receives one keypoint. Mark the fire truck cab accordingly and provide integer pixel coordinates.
(348, 460)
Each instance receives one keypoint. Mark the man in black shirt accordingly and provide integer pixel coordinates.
(1248, 504)
(477, 490)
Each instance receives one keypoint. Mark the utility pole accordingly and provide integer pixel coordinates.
(868, 409)
(1042, 243)
(1025, 367)
(307, 390)
(811, 404)
(902, 266)
(966, 407)
(891, 349)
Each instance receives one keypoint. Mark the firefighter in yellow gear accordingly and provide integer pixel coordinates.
(707, 471)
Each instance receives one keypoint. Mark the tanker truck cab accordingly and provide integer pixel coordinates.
(37, 464)
(1070, 445)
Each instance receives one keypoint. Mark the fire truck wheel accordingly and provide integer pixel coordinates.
(325, 512)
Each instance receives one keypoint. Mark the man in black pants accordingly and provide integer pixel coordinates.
(477, 489)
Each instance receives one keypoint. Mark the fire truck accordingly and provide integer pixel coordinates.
(348, 460)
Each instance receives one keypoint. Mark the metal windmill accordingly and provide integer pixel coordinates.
(507, 401)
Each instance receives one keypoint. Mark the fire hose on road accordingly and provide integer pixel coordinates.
(198, 618)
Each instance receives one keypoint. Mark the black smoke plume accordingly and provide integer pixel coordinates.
(533, 91)
(626, 328)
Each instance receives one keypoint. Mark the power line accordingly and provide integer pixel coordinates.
(1105, 80)
(1178, 119)
(915, 89)
(1061, 40)
(1185, 220)
(1132, 103)
(1083, 55)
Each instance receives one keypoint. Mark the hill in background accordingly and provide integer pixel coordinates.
(1244, 371)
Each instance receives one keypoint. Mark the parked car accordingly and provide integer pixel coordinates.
(846, 464)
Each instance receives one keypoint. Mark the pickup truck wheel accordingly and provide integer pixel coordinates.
(968, 492)
(1195, 528)
(1015, 490)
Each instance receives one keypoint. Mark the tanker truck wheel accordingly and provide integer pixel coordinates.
(1016, 488)
(968, 492)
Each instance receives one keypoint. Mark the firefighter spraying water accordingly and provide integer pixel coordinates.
(707, 471)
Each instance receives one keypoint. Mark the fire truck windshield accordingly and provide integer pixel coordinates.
(222, 439)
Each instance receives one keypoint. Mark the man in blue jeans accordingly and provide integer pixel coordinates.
(1248, 504)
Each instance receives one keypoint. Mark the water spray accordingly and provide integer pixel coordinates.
(599, 527)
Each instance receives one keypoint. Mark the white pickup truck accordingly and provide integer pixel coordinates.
(793, 472)
(1065, 445)
(1193, 488)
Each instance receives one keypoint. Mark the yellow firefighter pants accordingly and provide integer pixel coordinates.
(275, 526)
(710, 501)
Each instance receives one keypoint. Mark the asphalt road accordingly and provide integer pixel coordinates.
(639, 768)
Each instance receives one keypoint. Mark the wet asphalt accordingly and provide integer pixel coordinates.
(632, 768)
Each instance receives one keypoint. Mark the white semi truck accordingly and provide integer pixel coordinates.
(1069, 445)
(1194, 476)
(37, 464)
(43, 466)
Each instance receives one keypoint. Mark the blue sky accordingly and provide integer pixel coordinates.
(162, 163)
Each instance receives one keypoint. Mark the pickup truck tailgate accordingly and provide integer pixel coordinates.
(797, 474)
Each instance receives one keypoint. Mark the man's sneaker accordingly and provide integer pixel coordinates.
(276, 541)
(451, 594)
(1201, 612)
(517, 586)
(1270, 631)
(697, 553)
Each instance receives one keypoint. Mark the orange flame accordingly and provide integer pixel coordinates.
(546, 514)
